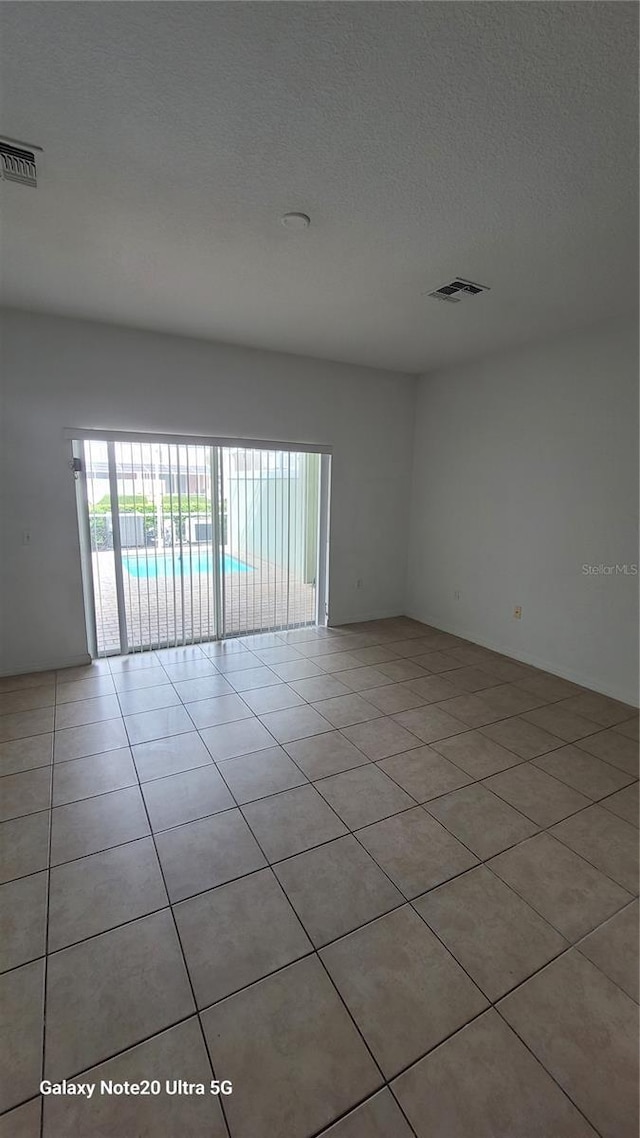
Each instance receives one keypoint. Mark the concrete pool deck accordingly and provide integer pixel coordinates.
(254, 601)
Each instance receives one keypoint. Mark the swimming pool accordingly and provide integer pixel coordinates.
(151, 565)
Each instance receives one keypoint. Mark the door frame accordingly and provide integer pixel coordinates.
(79, 467)
(78, 436)
(322, 584)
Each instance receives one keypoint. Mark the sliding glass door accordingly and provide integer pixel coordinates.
(187, 542)
(272, 511)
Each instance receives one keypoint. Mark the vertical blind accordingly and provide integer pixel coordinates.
(192, 542)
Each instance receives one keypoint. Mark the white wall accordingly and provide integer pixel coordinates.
(59, 373)
(525, 468)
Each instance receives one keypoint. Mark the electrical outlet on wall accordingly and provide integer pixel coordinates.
(359, 583)
(456, 594)
(517, 612)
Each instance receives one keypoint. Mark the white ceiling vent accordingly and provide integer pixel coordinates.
(18, 162)
(458, 290)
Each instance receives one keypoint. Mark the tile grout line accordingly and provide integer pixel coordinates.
(587, 755)
(492, 1005)
(289, 857)
(46, 931)
(316, 954)
(548, 1072)
(569, 946)
(599, 728)
(310, 782)
(180, 946)
(420, 743)
(315, 950)
(547, 920)
(274, 794)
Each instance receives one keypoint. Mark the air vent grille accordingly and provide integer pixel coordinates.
(18, 162)
(458, 290)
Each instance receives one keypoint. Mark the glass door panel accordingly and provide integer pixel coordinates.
(191, 542)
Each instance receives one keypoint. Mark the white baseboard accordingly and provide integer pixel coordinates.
(361, 618)
(571, 674)
(527, 658)
(52, 666)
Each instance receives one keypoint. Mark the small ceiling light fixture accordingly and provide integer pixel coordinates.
(296, 221)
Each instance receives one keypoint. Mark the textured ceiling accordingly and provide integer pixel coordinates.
(426, 140)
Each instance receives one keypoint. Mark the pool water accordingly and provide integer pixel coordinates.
(147, 565)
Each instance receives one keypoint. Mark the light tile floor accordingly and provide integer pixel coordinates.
(382, 880)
